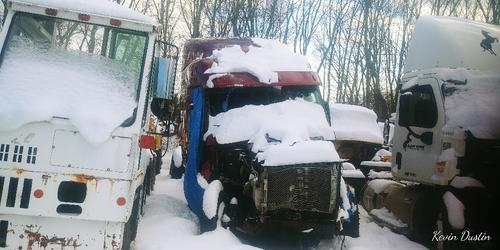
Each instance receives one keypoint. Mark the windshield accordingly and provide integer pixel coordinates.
(224, 99)
(86, 73)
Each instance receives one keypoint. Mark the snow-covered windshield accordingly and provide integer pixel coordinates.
(224, 99)
(86, 73)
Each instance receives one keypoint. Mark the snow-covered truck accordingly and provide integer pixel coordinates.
(445, 156)
(257, 139)
(77, 80)
(358, 137)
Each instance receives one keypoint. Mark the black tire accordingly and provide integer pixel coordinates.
(206, 224)
(175, 172)
(143, 201)
(352, 228)
(157, 162)
(147, 180)
(130, 230)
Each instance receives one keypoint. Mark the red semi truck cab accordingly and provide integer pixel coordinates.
(256, 139)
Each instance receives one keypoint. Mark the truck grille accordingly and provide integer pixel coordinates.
(304, 187)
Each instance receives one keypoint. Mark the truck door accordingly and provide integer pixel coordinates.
(417, 138)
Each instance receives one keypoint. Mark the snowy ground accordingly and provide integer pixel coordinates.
(169, 224)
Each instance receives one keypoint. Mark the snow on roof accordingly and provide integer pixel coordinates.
(283, 128)
(96, 94)
(453, 42)
(355, 123)
(261, 60)
(474, 105)
(95, 7)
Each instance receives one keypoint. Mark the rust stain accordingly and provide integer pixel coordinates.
(19, 171)
(43, 241)
(83, 178)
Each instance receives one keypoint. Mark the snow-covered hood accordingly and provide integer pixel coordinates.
(284, 133)
(355, 123)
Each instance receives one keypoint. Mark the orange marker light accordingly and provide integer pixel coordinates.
(147, 141)
(121, 201)
(38, 193)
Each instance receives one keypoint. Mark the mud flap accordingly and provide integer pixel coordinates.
(192, 190)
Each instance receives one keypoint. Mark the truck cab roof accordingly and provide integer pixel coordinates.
(94, 11)
(244, 62)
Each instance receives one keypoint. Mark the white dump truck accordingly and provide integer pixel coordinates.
(79, 83)
(445, 156)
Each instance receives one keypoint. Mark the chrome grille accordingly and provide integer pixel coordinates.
(304, 187)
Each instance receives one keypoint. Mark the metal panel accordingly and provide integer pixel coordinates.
(70, 149)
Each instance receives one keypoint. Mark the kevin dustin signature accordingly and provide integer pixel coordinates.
(465, 236)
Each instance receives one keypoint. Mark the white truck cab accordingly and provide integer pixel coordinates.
(446, 143)
(449, 87)
(76, 128)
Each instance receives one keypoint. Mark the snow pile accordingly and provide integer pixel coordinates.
(373, 236)
(177, 156)
(95, 93)
(380, 164)
(382, 155)
(97, 7)
(387, 216)
(293, 131)
(355, 123)
(465, 181)
(168, 222)
(473, 105)
(262, 61)
(455, 209)
(347, 166)
(299, 152)
(379, 185)
(379, 175)
(354, 173)
(211, 198)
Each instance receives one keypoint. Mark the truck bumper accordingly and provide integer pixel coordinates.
(34, 232)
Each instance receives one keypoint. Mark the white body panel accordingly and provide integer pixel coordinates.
(41, 233)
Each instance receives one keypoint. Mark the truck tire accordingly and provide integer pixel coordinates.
(206, 224)
(130, 230)
(175, 172)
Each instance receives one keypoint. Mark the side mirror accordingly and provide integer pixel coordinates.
(163, 85)
(163, 80)
(426, 138)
